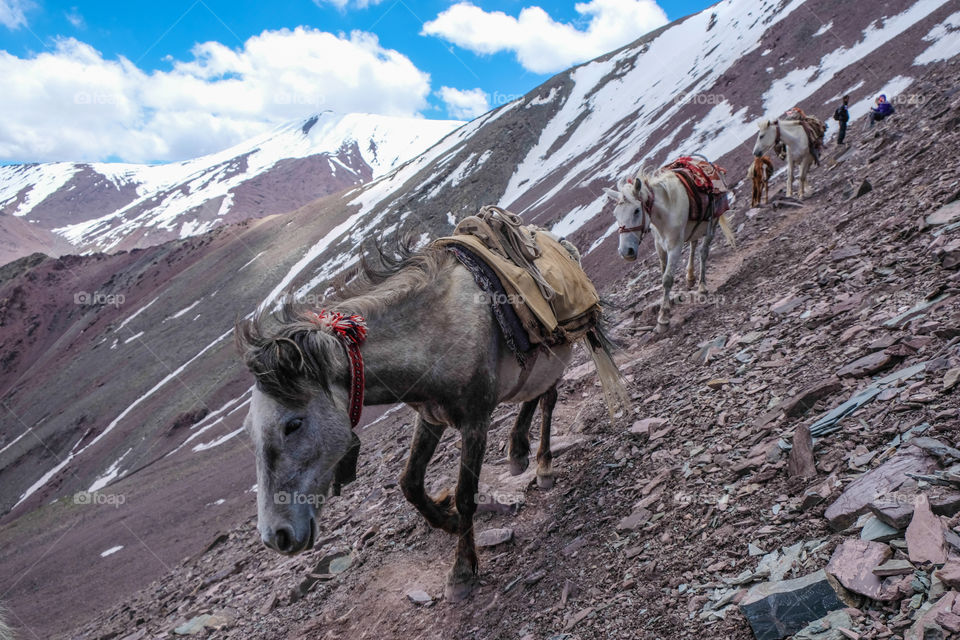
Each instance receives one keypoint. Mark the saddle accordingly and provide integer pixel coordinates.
(706, 188)
(534, 280)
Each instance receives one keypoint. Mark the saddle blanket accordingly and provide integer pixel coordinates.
(705, 187)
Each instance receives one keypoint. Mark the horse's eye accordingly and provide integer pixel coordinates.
(292, 425)
(636, 211)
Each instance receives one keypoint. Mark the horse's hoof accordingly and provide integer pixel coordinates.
(460, 590)
(546, 482)
(662, 327)
(518, 465)
(702, 290)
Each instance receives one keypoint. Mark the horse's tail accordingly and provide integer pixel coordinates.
(727, 230)
(601, 350)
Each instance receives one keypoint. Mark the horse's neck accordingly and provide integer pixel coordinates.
(670, 202)
(396, 335)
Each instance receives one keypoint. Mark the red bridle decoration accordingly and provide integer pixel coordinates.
(352, 331)
(647, 207)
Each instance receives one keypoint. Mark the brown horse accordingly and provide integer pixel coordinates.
(759, 173)
(432, 342)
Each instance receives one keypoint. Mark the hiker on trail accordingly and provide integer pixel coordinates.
(842, 116)
(881, 111)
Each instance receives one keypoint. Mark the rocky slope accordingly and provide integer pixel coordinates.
(118, 374)
(65, 207)
(664, 519)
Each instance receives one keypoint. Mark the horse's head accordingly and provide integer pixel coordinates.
(765, 138)
(632, 220)
(298, 422)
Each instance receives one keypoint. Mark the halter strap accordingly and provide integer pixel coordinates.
(647, 207)
(352, 331)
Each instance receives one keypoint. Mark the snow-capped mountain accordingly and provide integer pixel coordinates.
(111, 206)
(164, 316)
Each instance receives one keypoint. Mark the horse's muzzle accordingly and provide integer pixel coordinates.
(284, 540)
(757, 153)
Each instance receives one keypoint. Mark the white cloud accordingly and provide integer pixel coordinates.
(344, 4)
(12, 13)
(464, 104)
(75, 18)
(72, 104)
(541, 44)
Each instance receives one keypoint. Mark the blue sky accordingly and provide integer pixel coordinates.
(133, 81)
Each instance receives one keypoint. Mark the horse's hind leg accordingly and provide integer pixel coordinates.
(789, 175)
(705, 253)
(663, 318)
(463, 576)
(545, 476)
(519, 451)
(691, 281)
(440, 513)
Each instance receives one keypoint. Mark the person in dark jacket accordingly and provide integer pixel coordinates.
(882, 110)
(842, 116)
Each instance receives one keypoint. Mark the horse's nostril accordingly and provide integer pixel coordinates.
(283, 539)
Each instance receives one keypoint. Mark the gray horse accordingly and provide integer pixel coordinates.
(432, 343)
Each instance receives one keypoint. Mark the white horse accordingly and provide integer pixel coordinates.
(659, 203)
(791, 133)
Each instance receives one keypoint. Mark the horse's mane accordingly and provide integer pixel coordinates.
(289, 354)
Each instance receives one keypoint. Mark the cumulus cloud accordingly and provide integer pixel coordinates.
(13, 13)
(542, 44)
(464, 104)
(73, 104)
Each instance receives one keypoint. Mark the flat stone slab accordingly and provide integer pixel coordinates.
(868, 365)
(894, 568)
(946, 214)
(494, 537)
(925, 541)
(778, 609)
(876, 530)
(852, 563)
(883, 480)
(949, 574)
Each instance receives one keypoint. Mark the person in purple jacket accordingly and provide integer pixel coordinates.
(881, 111)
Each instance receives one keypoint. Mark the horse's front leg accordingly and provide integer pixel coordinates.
(545, 477)
(463, 576)
(705, 253)
(673, 256)
(439, 513)
(691, 281)
(661, 255)
(520, 438)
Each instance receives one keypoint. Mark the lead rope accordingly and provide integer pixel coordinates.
(520, 248)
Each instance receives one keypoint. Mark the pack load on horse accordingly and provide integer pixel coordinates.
(798, 139)
(759, 173)
(485, 316)
(682, 202)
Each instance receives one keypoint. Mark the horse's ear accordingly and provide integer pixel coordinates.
(611, 193)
